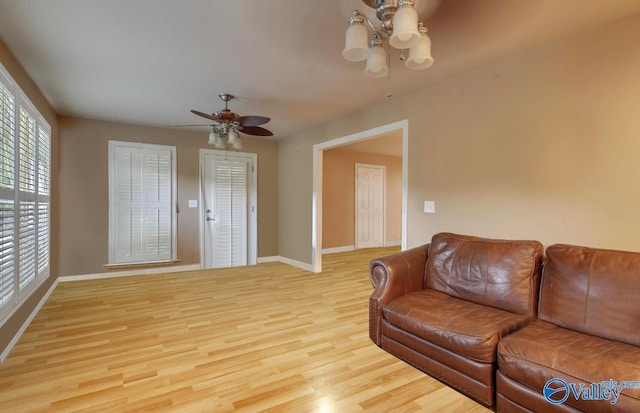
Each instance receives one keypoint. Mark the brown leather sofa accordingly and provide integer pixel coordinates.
(444, 307)
(587, 331)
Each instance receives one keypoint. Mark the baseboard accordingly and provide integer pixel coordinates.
(333, 250)
(114, 274)
(296, 263)
(28, 321)
(288, 261)
(348, 248)
(179, 268)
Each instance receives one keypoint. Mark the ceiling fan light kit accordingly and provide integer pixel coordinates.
(405, 26)
(356, 44)
(233, 140)
(398, 25)
(226, 126)
(420, 54)
(377, 59)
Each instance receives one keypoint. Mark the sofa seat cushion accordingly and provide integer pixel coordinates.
(463, 327)
(541, 351)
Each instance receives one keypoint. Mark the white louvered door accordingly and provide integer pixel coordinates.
(141, 227)
(226, 209)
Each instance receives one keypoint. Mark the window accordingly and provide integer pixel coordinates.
(25, 163)
(142, 219)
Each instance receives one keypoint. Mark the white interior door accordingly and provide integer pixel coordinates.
(228, 209)
(370, 206)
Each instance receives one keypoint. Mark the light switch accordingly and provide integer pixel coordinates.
(193, 203)
(430, 207)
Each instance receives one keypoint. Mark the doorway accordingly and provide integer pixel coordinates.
(316, 210)
(228, 209)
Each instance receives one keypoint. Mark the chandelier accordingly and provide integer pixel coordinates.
(399, 26)
(224, 136)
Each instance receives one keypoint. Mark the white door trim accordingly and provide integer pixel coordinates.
(252, 250)
(384, 202)
(316, 209)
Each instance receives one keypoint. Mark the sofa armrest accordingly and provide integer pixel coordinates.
(393, 276)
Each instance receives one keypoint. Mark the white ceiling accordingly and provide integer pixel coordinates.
(151, 61)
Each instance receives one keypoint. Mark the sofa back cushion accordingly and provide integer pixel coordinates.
(499, 273)
(593, 291)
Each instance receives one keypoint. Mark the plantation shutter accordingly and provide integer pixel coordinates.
(230, 186)
(7, 132)
(27, 205)
(7, 253)
(25, 157)
(27, 245)
(128, 205)
(157, 192)
(141, 205)
(7, 194)
(44, 183)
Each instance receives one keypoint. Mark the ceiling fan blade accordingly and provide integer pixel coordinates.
(205, 115)
(188, 126)
(256, 131)
(252, 120)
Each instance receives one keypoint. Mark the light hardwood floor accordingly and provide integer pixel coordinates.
(264, 338)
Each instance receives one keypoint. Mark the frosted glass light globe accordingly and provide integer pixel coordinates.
(405, 28)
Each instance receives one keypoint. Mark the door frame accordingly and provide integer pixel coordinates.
(384, 202)
(252, 221)
(318, 153)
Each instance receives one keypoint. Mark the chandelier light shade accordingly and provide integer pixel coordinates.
(420, 54)
(377, 60)
(219, 142)
(399, 26)
(234, 140)
(356, 47)
(405, 26)
(213, 137)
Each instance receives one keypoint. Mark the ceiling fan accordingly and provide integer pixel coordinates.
(227, 124)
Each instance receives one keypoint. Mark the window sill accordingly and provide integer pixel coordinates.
(138, 265)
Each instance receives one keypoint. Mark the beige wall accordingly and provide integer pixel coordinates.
(541, 145)
(13, 324)
(338, 195)
(84, 198)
